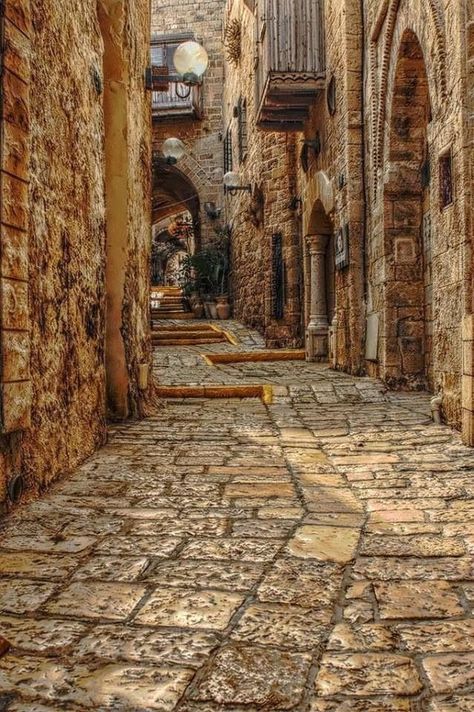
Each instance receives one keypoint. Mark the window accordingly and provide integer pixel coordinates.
(446, 179)
(163, 49)
(278, 277)
(171, 97)
(228, 151)
(243, 129)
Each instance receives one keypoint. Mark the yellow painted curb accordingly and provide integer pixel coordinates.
(255, 357)
(265, 393)
(230, 337)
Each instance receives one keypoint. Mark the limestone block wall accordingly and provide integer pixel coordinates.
(438, 42)
(54, 233)
(270, 166)
(203, 163)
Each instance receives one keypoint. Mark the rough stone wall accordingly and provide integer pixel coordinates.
(341, 163)
(64, 214)
(269, 166)
(203, 163)
(436, 29)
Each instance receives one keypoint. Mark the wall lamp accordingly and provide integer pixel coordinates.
(173, 150)
(314, 144)
(191, 62)
(232, 184)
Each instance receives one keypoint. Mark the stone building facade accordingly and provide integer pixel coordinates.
(371, 194)
(75, 225)
(197, 179)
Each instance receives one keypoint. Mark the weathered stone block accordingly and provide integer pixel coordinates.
(15, 107)
(18, 11)
(14, 305)
(14, 202)
(16, 406)
(15, 158)
(14, 253)
(16, 55)
(15, 356)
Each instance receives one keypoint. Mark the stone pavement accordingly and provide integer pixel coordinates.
(312, 555)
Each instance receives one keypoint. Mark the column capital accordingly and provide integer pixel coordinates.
(317, 243)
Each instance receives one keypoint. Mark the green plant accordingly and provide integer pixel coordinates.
(207, 271)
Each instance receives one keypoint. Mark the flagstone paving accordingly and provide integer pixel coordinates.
(315, 554)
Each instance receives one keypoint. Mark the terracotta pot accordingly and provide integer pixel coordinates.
(198, 309)
(223, 308)
(211, 307)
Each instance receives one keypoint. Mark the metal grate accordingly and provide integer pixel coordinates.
(228, 151)
(243, 129)
(278, 277)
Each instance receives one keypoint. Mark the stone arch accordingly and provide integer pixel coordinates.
(406, 339)
(173, 192)
(388, 18)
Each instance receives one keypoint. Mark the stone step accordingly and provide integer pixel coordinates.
(181, 315)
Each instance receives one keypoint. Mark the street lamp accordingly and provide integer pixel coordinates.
(232, 184)
(191, 62)
(173, 150)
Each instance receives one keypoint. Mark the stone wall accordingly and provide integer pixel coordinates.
(56, 226)
(203, 163)
(269, 166)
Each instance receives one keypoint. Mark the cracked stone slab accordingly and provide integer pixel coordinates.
(138, 546)
(26, 563)
(392, 704)
(112, 568)
(263, 677)
(417, 599)
(257, 550)
(187, 608)
(453, 636)
(324, 543)
(461, 703)
(68, 545)
(369, 637)
(86, 599)
(368, 674)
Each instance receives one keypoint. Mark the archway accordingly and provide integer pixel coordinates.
(319, 282)
(407, 353)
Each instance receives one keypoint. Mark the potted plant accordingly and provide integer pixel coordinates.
(209, 268)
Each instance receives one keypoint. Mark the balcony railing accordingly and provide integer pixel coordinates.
(290, 61)
(170, 103)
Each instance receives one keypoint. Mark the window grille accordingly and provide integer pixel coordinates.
(278, 277)
(228, 151)
(243, 129)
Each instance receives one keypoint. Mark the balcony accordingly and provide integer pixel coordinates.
(172, 102)
(290, 62)
(171, 98)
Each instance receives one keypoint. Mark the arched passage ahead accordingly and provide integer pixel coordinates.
(408, 318)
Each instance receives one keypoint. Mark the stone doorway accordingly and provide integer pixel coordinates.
(408, 294)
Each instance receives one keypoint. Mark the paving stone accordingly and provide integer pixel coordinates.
(368, 674)
(148, 645)
(324, 543)
(229, 575)
(22, 596)
(386, 569)
(112, 568)
(422, 546)
(450, 673)
(33, 565)
(104, 687)
(138, 546)
(107, 601)
(47, 636)
(359, 638)
(455, 636)
(417, 599)
(186, 608)
(299, 583)
(70, 545)
(464, 703)
(234, 549)
(282, 626)
(266, 678)
(392, 704)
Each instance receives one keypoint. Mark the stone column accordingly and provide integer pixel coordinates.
(318, 327)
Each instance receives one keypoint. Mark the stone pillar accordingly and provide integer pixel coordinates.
(318, 327)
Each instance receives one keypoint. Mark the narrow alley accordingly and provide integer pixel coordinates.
(313, 553)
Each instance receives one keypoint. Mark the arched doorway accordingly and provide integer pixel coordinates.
(408, 317)
(319, 282)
